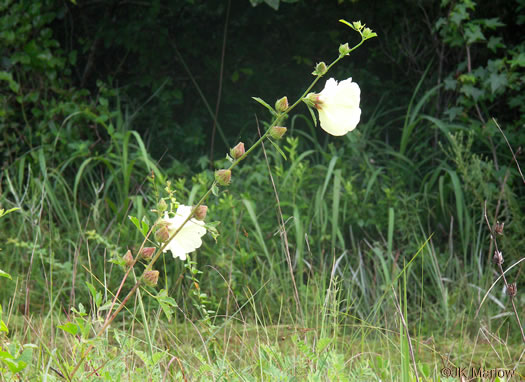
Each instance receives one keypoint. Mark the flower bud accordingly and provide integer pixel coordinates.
(223, 177)
(200, 212)
(277, 132)
(151, 278)
(147, 253)
(311, 99)
(162, 205)
(162, 234)
(498, 258)
(344, 49)
(357, 25)
(320, 69)
(281, 105)
(238, 151)
(512, 290)
(128, 259)
(499, 228)
(368, 33)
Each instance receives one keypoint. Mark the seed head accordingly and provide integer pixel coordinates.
(499, 228)
(147, 253)
(512, 290)
(281, 105)
(498, 258)
(162, 234)
(162, 205)
(238, 151)
(277, 132)
(320, 69)
(223, 177)
(151, 278)
(200, 212)
(344, 49)
(128, 259)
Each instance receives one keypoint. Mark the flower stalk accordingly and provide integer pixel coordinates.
(511, 289)
(147, 276)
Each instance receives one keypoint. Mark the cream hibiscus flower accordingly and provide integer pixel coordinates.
(338, 106)
(188, 239)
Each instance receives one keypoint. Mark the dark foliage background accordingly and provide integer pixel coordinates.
(154, 53)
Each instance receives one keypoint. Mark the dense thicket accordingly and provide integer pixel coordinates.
(167, 59)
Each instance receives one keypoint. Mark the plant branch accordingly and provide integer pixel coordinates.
(277, 120)
(500, 268)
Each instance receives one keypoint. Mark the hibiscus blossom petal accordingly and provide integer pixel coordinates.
(338, 106)
(188, 239)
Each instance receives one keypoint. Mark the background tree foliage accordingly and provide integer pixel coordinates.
(165, 57)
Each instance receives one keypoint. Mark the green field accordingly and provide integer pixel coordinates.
(388, 252)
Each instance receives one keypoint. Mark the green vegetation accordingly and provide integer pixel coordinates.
(387, 229)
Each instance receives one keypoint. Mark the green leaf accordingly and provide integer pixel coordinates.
(453, 112)
(81, 311)
(497, 81)
(3, 327)
(97, 295)
(143, 356)
(459, 15)
(15, 366)
(278, 148)
(212, 229)
(425, 369)
(157, 357)
(494, 43)
(27, 354)
(5, 355)
(13, 85)
(106, 306)
(450, 84)
(474, 34)
(322, 344)
(346, 23)
(265, 105)
(493, 23)
(467, 78)
(312, 114)
(472, 91)
(118, 261)
(273, 3)
(70, 328)
(518, 61)
(5, 274)
(142, 226)
(166, 303)
(84, 326)
(4, 212)
(441, 22)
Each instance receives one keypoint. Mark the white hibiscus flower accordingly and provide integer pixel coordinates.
(338, 106)
(189, 237)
